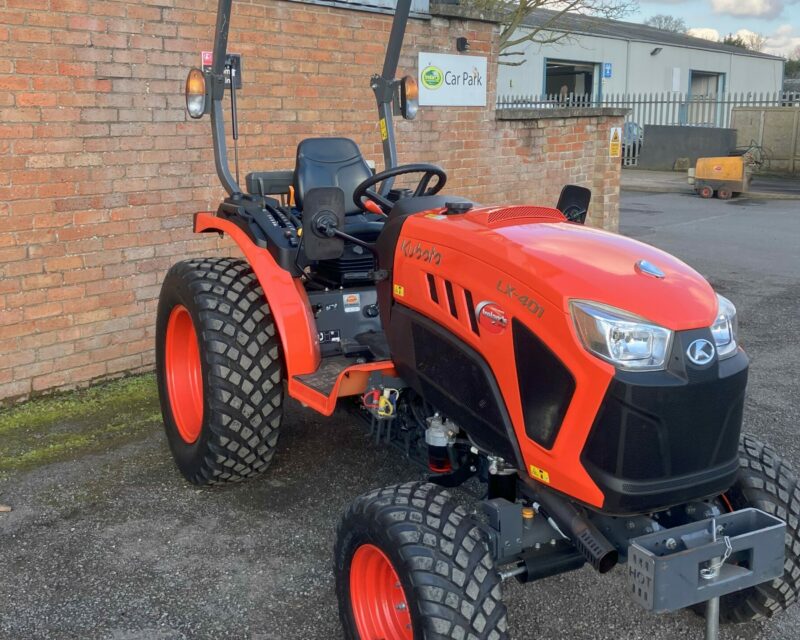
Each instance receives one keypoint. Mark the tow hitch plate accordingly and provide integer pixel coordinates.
(676, 568)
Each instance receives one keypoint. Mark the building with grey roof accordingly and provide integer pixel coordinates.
(602, 57)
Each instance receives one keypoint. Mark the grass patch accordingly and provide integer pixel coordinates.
(69, 425)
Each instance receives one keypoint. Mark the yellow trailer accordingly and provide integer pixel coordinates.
(722, 177)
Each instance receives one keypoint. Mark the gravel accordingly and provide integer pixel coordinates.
(114, 544)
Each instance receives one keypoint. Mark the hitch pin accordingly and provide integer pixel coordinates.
(709, 573)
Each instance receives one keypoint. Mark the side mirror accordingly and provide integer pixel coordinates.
(323, 214)
(574, 203)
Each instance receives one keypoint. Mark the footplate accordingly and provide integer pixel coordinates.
(676, 568)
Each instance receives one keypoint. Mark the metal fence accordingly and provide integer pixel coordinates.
(669, 108)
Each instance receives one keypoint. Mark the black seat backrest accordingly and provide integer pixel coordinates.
(329, 162)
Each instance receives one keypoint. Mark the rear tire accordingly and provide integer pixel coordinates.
(765, 482)
(444, 582)
(220, 371)
(724, 194)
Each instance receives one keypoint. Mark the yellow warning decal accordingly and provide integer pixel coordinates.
(399, 290)
(384, 130)
(615, 143)
(540, 474)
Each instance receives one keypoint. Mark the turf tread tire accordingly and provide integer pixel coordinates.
(242, 367)
(766, 482)
(441, 557)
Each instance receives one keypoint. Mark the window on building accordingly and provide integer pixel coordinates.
(571, 81)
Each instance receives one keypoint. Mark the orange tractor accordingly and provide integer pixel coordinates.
(592, 383)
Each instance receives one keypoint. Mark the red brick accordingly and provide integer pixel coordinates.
(36, 99)
(101, 171)
(14, 83)
(31, 35)
(87, 23)
(76, 69)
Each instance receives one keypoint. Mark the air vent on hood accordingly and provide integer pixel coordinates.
(521, 214)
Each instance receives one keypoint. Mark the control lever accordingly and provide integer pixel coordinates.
(326, 224)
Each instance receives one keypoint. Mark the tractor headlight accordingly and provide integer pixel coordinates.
(196, 93)
(623, 339)
(725, 328)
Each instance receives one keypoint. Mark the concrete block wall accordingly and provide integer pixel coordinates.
(101, 170)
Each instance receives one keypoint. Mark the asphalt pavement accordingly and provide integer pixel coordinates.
(107, 541)
(762, 187)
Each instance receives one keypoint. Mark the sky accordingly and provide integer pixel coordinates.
(778, 20)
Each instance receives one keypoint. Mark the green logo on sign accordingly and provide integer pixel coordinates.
(432, 77)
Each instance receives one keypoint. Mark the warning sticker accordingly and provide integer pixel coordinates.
(399, 290)
(615, 144)
(352, 302)
(540, 474)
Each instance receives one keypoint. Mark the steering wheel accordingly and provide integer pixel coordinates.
(429, 171)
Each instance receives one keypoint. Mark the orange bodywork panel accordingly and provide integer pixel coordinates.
(352, 381)
(528, 265)
(286, 297)
(294, 321)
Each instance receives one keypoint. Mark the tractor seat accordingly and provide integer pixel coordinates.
(330, 162)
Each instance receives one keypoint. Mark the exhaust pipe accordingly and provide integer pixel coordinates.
(586, 537)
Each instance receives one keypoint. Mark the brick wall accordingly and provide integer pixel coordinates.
(101, 171)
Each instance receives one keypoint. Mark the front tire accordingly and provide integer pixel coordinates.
(766, 482)
(219, 369)
(409, 564)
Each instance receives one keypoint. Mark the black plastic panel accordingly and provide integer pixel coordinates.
(665, 437)
(452, 377)
(545, 386)
(267, 226)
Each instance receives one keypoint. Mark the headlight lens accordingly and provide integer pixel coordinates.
(725, 328)
(624, 340)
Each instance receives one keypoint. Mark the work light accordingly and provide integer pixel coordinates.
(623, 339)
(409, 97)
(196, 93)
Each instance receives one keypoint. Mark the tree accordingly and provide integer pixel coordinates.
(746, 40)
(667, 23)
(553, 26)
(793, 64)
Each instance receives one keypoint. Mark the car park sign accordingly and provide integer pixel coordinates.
(452, 81)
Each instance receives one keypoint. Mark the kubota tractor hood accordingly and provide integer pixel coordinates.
(562, 261)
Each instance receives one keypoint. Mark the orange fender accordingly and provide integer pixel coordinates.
(286, 297)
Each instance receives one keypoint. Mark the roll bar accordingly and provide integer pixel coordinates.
(382, 85)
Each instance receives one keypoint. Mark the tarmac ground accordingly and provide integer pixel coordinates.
(762, 187)
(106, 540)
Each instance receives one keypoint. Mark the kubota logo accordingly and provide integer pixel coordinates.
(432, 77)
(421, 252)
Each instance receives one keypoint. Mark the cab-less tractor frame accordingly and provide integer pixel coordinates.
(592, 385)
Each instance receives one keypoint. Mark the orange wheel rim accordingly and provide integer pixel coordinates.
(379, 603)
(184, 374)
